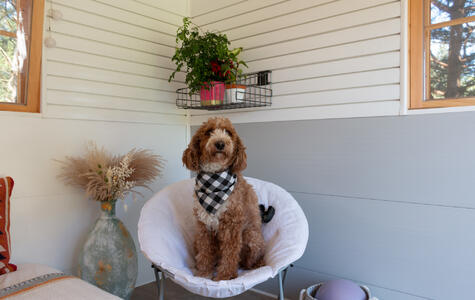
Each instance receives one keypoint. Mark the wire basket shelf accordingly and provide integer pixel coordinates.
(250, 90)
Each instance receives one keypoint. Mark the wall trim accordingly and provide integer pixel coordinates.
(353, 110)
(404, 61)
(440, 110)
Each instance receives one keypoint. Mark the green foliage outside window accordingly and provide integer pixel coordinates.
(452, 51)
(8, 45)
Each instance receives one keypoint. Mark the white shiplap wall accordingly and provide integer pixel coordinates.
(112, 61)
(329, 59)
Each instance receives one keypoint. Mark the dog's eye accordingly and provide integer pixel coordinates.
(208, 132)
(228, 133)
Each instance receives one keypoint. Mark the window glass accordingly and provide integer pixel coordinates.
(445, 10)
(8, 20)
(15, 23)
(452, 62)
(8, 77)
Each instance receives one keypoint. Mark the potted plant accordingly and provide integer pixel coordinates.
(207, 60)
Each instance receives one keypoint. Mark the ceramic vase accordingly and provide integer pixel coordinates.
(108, 258)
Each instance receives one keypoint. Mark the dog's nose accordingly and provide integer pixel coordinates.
(219, 145)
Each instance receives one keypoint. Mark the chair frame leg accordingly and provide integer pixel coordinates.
(160, 281)
(282, 276)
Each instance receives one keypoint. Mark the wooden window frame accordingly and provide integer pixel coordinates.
(34, 71)
(419, 26)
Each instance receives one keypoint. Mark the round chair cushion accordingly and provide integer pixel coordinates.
(166, 230)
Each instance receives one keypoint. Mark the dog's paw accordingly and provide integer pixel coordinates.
(259, 263)
(225, 276)
(205, 274)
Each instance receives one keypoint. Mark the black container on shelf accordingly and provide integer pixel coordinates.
(263, 78)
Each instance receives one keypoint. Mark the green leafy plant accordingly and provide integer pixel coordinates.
(205, 57)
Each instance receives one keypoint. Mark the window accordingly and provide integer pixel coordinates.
(21, 29)
(442, 53)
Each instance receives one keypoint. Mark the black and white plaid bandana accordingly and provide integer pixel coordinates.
(212, 189)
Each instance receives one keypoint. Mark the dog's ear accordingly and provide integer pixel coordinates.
(240, 157)
(190, 159)
(191, 156)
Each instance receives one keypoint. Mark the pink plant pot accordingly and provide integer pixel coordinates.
(212, 95)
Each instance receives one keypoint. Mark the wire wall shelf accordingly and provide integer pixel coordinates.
(250, 90)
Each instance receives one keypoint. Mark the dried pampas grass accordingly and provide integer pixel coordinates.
(108, 177)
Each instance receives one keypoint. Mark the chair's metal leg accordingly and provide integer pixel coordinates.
(281, 287)
(160, 281)
(282, 276)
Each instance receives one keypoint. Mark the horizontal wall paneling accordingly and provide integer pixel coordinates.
(176, 7)
(105, 23)
(98, 75)
(59, 97)
(365, 33)
(205, 7)
(113, 11)
(107, 89)
(145, 11)
(320, 17)
(217, 16)
(316, 50)
(116, 56)
(102, 62)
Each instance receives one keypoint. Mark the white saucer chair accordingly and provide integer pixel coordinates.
(166, 229)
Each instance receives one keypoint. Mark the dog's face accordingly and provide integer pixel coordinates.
(215, 147)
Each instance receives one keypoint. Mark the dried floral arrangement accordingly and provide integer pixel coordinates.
(106, 177)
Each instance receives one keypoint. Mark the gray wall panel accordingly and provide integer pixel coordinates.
(410, 248)
(299, 277)
(421, 159)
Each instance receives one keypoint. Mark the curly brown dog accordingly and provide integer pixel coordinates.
(228, 236)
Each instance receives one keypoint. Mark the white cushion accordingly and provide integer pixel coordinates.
(69, 288)
(166, 229)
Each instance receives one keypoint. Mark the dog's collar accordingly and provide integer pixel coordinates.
(213, 189)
